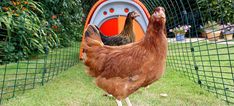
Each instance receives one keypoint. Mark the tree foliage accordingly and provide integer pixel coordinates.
(31, 27)
(217, 10)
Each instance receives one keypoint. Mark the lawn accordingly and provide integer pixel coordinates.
(208, 63)
(75, 88)
(27, 74)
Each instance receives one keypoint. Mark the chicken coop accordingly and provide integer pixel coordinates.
(113, 16)
(40, 39)
(199, 42)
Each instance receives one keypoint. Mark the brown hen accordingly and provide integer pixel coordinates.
(121, 70)
(126, 36)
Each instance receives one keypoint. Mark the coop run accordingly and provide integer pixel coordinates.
(200, 38)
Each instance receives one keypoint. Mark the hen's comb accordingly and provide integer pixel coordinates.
(159, 8)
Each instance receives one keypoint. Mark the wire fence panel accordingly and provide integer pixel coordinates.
(206, 58)
(23, 75)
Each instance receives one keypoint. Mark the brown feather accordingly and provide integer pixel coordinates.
(121, 70)
(126, 36)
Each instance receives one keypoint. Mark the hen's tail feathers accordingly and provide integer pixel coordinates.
(92, 37)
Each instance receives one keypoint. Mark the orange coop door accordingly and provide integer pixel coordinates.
(110, 15)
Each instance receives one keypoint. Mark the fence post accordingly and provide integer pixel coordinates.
(45, 63)
(192, 50)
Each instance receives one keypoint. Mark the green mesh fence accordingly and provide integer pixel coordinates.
(206, 58)
(26, 74)
(36, 44)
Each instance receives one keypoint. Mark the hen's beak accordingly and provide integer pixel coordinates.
(135, 14)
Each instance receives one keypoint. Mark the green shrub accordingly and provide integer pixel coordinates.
(33, 26)
(27, 34)
(218, 10)
(65, 18)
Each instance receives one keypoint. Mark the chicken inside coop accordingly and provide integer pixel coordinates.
(126, 36)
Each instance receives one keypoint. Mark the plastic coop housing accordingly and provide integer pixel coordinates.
(110, 15)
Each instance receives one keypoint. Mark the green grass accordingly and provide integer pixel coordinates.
(18, 77)
(214, 64)
(75, 88)
(214, 70)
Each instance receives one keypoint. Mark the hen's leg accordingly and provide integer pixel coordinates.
(128, 101)
(119, 103)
